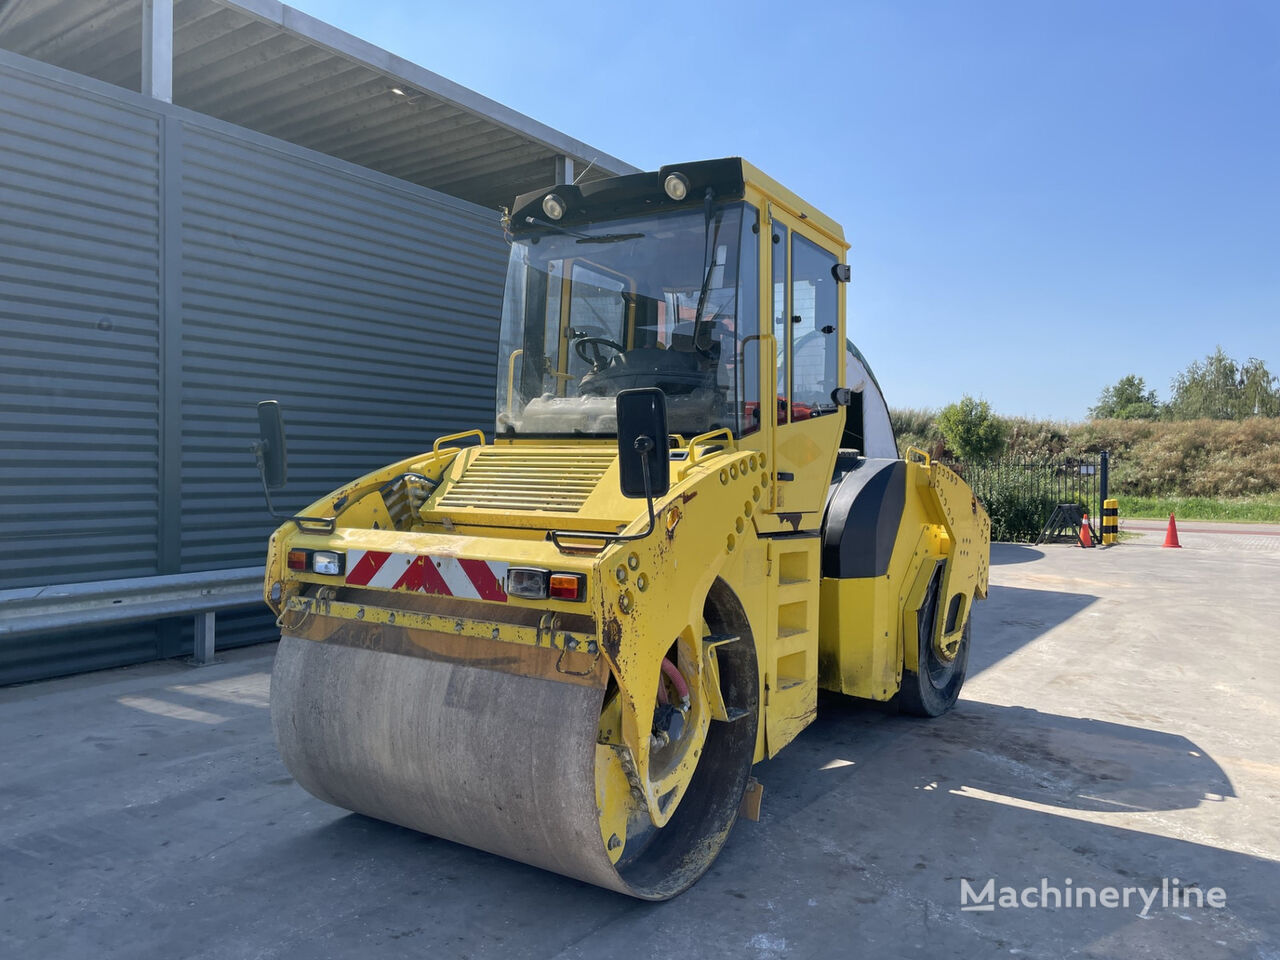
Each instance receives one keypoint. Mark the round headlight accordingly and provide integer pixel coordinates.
(553, 206)
(676, 185)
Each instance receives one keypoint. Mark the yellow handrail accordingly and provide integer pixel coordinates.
(705, 439)
(435, 447)
(915, 453)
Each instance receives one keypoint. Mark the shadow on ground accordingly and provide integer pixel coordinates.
(1012, 617)
(1007, 553)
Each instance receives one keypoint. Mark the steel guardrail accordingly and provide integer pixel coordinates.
(30, 611)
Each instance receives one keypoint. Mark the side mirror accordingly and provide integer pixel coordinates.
(644, 466)
(270, 448)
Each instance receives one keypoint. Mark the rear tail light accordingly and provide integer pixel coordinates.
(299, 559)
(568, 586)
(533, 583)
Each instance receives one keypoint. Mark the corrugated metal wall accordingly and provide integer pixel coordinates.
(79, 356)
(370, 313)
(80, 335)
(160, 272)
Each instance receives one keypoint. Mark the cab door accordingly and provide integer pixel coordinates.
(807, 311)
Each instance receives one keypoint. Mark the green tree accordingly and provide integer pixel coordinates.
(1127, 399)
(972, 430)
(1219, 388)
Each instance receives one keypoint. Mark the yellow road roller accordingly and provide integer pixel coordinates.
(567, 638)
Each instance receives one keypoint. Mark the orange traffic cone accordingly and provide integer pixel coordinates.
(1086, 535)
(1171, 535)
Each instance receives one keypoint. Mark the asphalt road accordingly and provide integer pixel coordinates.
(1118, 730)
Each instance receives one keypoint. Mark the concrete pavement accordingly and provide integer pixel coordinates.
(1118, 730)
(1223, 535)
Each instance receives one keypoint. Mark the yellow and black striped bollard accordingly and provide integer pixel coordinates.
(1110, 522)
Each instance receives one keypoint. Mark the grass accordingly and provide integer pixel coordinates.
(1216, 460)
(1262, 509)
(1195, 469)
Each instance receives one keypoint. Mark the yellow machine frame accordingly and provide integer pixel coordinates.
(743, 516)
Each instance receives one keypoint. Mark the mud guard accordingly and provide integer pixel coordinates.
(863, 515)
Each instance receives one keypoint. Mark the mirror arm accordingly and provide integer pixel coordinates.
(305, 524)
(644, 445)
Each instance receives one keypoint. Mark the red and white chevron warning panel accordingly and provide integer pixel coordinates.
(443, 576)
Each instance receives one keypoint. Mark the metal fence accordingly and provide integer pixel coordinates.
(1020, 494)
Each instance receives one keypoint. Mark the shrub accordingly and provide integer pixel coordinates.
(1036, 439)
(914, 427)
(972, 431)
(1018, 513)
(1127, 399)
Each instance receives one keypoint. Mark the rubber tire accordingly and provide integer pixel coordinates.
(918, 695)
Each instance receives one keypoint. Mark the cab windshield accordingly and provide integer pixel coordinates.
(666, 300)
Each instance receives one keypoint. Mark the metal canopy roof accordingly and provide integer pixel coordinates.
(271, 68)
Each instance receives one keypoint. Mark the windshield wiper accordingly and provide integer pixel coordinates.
(556, 228)
(709, 242)
(582, 237)
(611, 238)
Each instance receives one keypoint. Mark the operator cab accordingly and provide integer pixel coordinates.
(654, 280)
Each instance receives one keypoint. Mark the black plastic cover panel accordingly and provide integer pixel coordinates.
(864, 511)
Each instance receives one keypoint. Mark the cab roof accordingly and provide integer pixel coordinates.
(638, 193)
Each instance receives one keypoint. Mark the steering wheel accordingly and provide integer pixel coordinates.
(597, 358)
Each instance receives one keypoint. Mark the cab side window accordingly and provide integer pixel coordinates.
(781, 326)
(747, 324)
(815, 351)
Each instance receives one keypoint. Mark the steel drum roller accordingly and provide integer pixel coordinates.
(496, 760)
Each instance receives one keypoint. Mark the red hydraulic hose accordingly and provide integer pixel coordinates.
(677, 678)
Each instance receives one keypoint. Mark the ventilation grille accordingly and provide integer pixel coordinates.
(558, 481)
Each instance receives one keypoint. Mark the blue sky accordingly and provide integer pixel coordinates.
(1041, 196)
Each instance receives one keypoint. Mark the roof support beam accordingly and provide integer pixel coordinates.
(401, 72)
(564, 169)
(157, 49)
